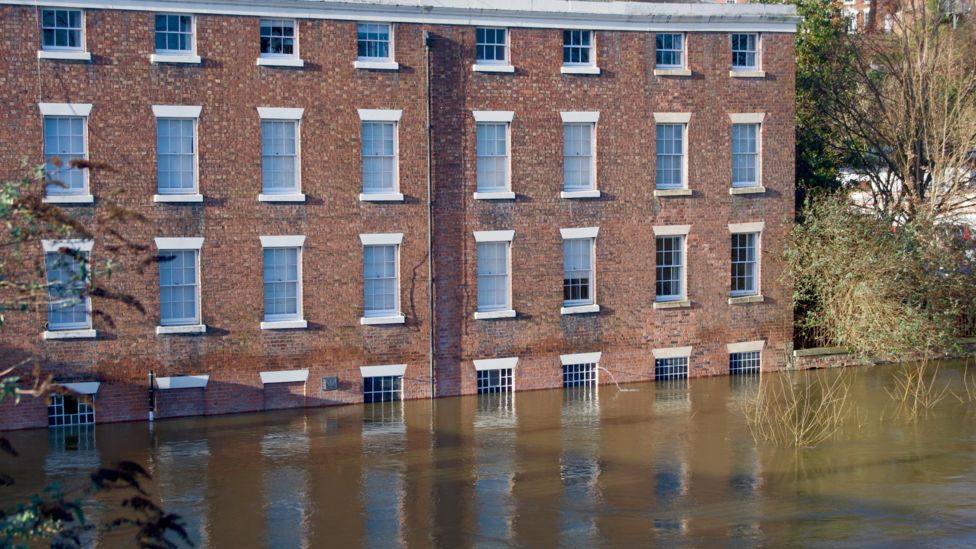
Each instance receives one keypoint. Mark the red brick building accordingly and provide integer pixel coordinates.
(601, 194)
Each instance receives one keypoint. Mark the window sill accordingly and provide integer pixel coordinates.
(747, 74)
(672, 72)
(175, 58)
(291, 197)
(69, 199)
(178, 198)
(284, 325)
(280, 62)
(672, 192)
(481, 67)
(374, 320)
(488, 315)
(579, 70)
(376, 65)
(757, 189)
(182, 329)
(70, 334)
(381, 197)
(505, 195)
(579, 309)
(738, 300)
(580, 194)
(64, 55)
(676, 304)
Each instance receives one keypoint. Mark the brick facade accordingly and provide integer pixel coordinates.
(122, 85)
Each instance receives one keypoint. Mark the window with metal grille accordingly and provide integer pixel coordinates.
(176, 154)
(174, 33)
(382, 388)
(579, 375)
(64, 142)
(578, 47)
(744, 51)
(671, 368)
(278, 38)
(578, 271)
(380, 281)
(669, 270)
(670, 51)
(578, 157)
(65, 410)
(493, 279)
(69, 306)
(61, 30)
(493, 157)
(373, 41)
(744, 264)
(745, 155)
(491, 45)
(279, 156)
(179, 288)
(495, 381)
(744, 363)
(379, 157)
(282, 284)
(670, 161)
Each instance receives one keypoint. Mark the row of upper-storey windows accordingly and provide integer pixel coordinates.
(65, 128)
(63, 35)
(69, 310)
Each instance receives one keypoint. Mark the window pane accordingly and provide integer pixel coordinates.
(670, 160)
(379, 157)
(577, 271)
(493, 276)
(64, 142)
(373, 41)
(176, 156)
(178, 282)
(490, 45)
(669, 269)
(380, 281)
(279, 156)
(67, 279)
(492, 157)
(577, 157)
(281, 284)
(744, 263)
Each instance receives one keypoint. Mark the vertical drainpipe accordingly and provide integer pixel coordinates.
(428, 42)
(152, 397)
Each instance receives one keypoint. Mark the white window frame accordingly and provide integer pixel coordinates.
(682, 119)
(387, 63)
(383, 317)
(754, 295)
(495, 117)
(590, 234)
(293, 59)
(79, 330)
(496, 365)
(69, 110)
(494, 237)
(682, 52)
(680, 232)
(384, 116)
(494, 65)
(284, 114)
(176, 56)
(297, 322)
(583, 118)
(744, 347)
(180, 112)
(589, 67)
(744, 71)
(670, 353)
(80, 53)
(163, 245)
(747, 119)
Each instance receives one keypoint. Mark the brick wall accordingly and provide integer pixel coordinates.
(122, 85)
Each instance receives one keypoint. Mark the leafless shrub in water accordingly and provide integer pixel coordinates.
(917, 388)
(800, 412)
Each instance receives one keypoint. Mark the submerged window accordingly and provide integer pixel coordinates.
(744, 363)
(71, 410)
(382, 388)
(579, 375)
(671, 368)
(495, 381)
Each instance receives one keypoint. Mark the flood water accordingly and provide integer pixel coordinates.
(658, 464)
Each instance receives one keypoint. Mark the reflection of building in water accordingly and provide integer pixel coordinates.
(180, 472)
(72, 456)
(384, 438)
(579, 459)
(286, 481)
(672, 397)
(495, 425)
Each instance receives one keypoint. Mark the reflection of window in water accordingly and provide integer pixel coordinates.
(671, 368)
(382, 388)
(579, 470)
(495, 410)
(74, 438)
(383, 417)
(672, 396)
(579, 375)
(495, 381)
(180, 465)
(744, 363)
(71, 410)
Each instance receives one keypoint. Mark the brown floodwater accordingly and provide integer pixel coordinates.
(656, 464)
